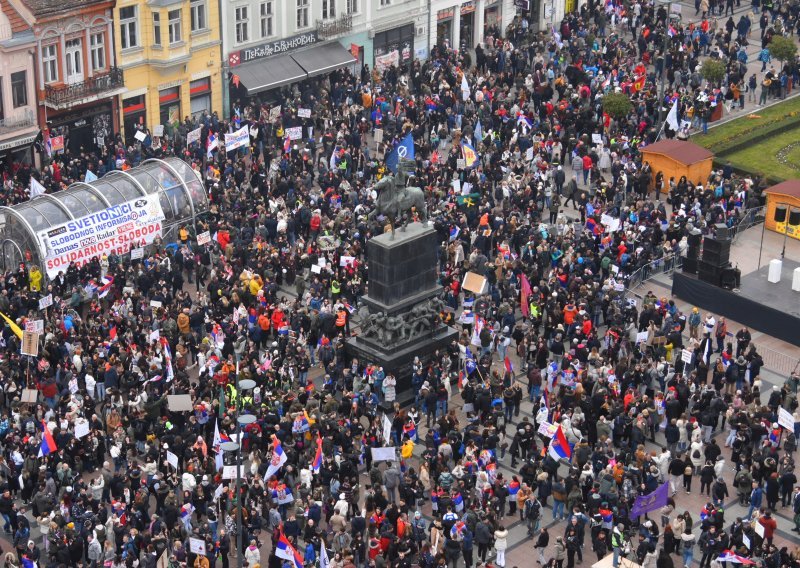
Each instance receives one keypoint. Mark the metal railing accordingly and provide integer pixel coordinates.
(57, 95)
(18, 120)
(751, 218)
(326, 29)
(664, 265)
(777, 361)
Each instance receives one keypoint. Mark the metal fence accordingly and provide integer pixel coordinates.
(777, 361)
(751, 218)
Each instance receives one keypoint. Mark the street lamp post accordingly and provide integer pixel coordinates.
(664, 47)
(242, 421)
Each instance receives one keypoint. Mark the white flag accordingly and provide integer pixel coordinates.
(464, 87)
(672, 117)
(36, 188)
(323, 555)
(90, 176)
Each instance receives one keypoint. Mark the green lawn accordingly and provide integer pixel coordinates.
(762, 156)
(771, 117)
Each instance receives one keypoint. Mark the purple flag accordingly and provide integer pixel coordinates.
(651, 502)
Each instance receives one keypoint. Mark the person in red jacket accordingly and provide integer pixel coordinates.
(769, 525)
(587, 168)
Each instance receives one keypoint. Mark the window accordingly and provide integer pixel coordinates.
(386, 2)
(174, 26)
(98, 48)
(50, 63)
(328, 9)
(19, 89)
(266, 18)
(156, 29)
(242, 25)
(2, 108)
(127, 27)
(302, 14)
(352, 6)
(74, 53)
(198, 12)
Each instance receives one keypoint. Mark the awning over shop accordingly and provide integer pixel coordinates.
(323, 58)
(274, 72)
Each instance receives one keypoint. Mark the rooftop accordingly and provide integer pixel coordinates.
(684, 152)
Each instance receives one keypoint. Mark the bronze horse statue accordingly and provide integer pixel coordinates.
(394, 200)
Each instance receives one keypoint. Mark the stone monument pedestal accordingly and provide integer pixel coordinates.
(402, 279)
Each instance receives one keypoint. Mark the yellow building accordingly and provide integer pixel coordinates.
(169, 51)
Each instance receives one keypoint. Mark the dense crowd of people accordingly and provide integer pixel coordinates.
(110, 470)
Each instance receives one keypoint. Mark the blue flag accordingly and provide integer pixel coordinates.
(404, 150)
(651, 502)
(478, 133)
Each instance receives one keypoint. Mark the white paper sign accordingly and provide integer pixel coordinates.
(229, 472)
(316, 269)
(294, 133)
(641, 337)
(461, 163)
(345, 260)
(172, 460)
(548, 430)
(384, 454)
(36, 326)
(238, 139)
(378, 135)
(275, 112)
(46, 302)
(204, 238)
(158, 130)
(597, 138)
(137, 253)
(746, 541)
(785, 419)
(759, 528)
(197, 546)
(140, 136)
(529, 154)
(686, 356)
(193, 136)
(155, 336)
(155, 304)
(387, 428)
(81, 428)
(304, 112)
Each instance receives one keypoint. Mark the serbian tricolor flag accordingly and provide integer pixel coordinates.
(28, 563)
(513, 489)
(410, 430)
(317, 463)
(187, 510)
(671, 31)
(607, 515)
(559, 447)
(775, 436)
(509, 367)
(458, 502)
(105, 286)
(112, 333)
(48, 445)
(285, 550)
(593, 226)
(277, 460)
(728, 556)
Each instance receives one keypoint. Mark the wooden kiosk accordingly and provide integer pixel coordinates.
(676, 158)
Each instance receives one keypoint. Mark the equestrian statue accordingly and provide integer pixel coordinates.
(395, 199)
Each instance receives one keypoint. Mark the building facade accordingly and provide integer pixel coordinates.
(76, 77)
(460, 24)
(18, 123)
(268, 44)
(169, 51)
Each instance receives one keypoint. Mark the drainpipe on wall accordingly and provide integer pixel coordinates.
(429, 30)
(223, 20)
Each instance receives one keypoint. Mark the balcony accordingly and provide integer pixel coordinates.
(17, 121)
(64, 96)
(327, 29)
